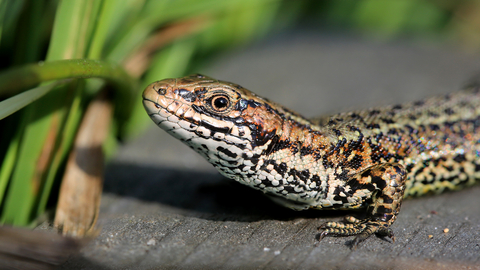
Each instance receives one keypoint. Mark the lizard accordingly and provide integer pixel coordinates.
(366, 159)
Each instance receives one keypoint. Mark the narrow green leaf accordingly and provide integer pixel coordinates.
(29, 33)
(73, 29)
(127, 14)
(9, 161)
(103, 25)
(14, 80)
(30, 164)
(15, 103)
(9, 12)
(157, 13)
(66, 138)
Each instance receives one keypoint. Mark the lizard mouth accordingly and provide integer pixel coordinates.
(170, 114)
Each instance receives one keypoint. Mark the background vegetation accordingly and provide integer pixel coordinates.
(125, 45)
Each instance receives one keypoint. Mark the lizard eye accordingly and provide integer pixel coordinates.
(220, 103)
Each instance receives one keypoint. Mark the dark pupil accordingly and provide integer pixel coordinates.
(220, 103)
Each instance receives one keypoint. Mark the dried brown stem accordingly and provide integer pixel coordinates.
(80, 192)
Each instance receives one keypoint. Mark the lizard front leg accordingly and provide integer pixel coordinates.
(381, 189)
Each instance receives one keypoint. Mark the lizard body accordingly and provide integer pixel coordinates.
(369, 159)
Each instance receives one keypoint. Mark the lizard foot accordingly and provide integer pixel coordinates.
(353, 226)
(386, 184)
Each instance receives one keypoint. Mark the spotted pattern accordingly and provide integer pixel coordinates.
(368, 159)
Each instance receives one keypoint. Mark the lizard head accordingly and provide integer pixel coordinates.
(220, 120)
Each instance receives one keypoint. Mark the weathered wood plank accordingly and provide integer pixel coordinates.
(165, 207)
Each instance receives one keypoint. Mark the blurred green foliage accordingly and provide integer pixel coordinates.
(151, 40)
(456, 22)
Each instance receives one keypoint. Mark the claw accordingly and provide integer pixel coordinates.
(322, 235)
(390, 234)
(362, 230)
(387, 233)
(360, 238)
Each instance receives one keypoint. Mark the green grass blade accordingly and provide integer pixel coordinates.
(15, 103)
(32, 159)
(74, 23)
(9, 12)
(28, 42)
(13, 81)
(73, 29)
(158, 13)
(105, 18)
(127, 14)
(9, 161)
(66, 140)
(8, 107)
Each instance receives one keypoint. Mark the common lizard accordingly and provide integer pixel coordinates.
(370, 159)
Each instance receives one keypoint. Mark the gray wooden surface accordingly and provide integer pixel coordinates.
(165, 208)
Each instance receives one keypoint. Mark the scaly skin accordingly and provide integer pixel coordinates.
(368, 159)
